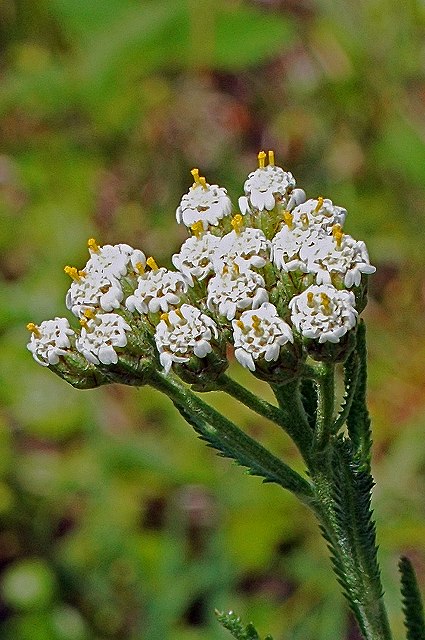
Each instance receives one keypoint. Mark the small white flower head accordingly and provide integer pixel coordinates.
(292, 247)
(99, 337)
(49, 340)
(249, 247)
(194, 259)
(114, 261)
(234, 290)
(183, 333)
(323, 312)
(203, 202)
(260, 334)
(157, 290)
(265, 186)
(91, 291)
(339, 254)
(320, 212)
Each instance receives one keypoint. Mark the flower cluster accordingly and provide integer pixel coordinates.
(278, 276)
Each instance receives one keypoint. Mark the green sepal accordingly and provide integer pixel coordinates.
(78, 372)
(412, 602)
(358, 420)
(233, 623)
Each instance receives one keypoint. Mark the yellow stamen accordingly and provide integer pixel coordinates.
(89, 314)
(197, 228)
(92, 245)
(256, 322)
(310, 300)
(256, 325)
(288, 218)
(179, 313)
(165, 318)
(195, 174)
(203, 183)
(326, 302)
(83, 322)
(236, 269)
(240, 324)
(319, 204)
(338, 234)
(73, 273)
(237, 223)
(34, 329)
(140, 268)
(271, 157)
(261, 159)
(152, 264)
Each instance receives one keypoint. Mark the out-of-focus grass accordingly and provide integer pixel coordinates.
(116, 522)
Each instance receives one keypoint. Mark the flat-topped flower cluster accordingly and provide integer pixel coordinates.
(278, 276)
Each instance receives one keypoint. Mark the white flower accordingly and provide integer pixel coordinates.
(184, 332)
(157, 290)
(250, 246)
(260, 334)
(49, 340)
(323, 312)
(114, 261)
(292, 247)
(341, 255)
(195, 257)
(264, 186)
(97, 286)
(204, 202)
(234, 290)
(100, 335)
(93, 290)
(320, 212)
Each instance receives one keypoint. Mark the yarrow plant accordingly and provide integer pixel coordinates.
(279, 284)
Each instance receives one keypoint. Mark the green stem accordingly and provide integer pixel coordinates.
(353, 551)
(286, 418)
(296, 421)
(222, 433)
(325, 405)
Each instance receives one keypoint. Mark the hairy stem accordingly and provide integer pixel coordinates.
(232, 441)
(289, 415)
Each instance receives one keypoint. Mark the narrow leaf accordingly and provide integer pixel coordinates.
(232, 623)
(250, 454)
(412, 602)
(358, 420)
(351, 372)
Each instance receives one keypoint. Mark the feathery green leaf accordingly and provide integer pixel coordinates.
(232, 623)
(309, 400)
(358, 420)
(412, 602)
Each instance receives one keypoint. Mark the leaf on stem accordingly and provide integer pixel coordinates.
(358, 420)
(412, 601)
(232, 623)
(285, 477)
(354, 528)
(309, 400)
(351, 371)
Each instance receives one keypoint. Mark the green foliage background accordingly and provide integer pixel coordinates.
(115, 521)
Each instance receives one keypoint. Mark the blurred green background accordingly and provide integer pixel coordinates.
(116, 522)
